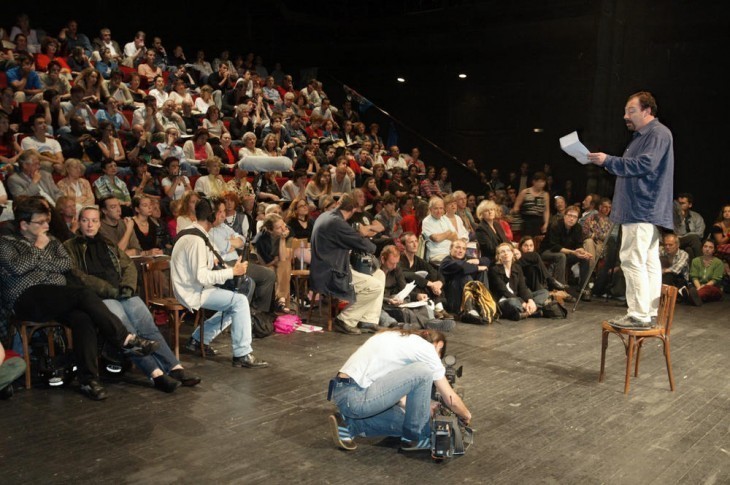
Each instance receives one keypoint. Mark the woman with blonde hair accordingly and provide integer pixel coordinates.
(75, 185)
(213, 184)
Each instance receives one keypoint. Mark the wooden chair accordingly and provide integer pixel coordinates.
(27, 329)
(299, 273)
(158, 296)
(332, 303)
(633, 339)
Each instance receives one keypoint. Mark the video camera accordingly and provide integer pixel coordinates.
(449, 436)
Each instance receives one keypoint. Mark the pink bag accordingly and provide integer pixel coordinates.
(286, 323)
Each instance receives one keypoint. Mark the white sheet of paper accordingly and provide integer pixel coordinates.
(405, 291)
(573, 147)
(414, 304)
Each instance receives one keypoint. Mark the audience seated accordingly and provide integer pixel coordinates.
(75, 185)
(597, 229)
(118, 229)
(48, 150)
(507, 284)
(109, 272)
(197, 150)
(145, 228)
(438, 232)
(721, 234)
(186, 216)
(423, 274)
(563, 247)
(689, 226)
(271, 248)
(31, 180)
(706, 273)
(457, 270)
(212, 185)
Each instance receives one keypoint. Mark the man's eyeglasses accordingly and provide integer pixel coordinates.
(41, 222)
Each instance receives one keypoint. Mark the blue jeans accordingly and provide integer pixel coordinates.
(511, 307)
(137, 319)
(232, 309)
(375, 411)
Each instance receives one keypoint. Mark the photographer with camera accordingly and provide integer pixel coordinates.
(384, 389)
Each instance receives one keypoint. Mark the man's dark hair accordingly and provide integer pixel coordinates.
(539, 176)
(35, 116)
(595, 199)
(205, 209)
(76, 89)
(49, 94)
(26, 207)
(686, 195)
(347, 202)
(102, 202)
(646, 100)
(106, 162)
(169, 160)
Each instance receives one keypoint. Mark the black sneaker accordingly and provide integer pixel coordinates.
(340, 433)
(194, 346)
(94, 390)
(6, 392)
(367, 327)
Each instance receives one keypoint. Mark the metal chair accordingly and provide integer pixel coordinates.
(633, 339)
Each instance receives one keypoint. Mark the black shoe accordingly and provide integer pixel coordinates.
(141, 346)
(523, 315)
(187, 380)
(415, 445)
(340, 433)
(6, 392)
(694, 296)
(194, 346)
(94, 390)
(367, 327)
(165, 383)
(554, 284)
(342, 327)
(249, 361)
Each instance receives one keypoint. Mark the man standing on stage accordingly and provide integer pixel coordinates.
(642, 201)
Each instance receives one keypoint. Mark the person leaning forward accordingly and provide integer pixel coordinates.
(332, 240)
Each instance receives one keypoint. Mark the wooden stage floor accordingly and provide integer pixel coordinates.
(541, 415)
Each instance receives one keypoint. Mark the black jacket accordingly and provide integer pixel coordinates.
(489, 238)
(498, 281)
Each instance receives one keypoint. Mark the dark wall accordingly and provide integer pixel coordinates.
(559, 65)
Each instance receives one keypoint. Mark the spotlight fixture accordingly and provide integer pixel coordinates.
(537, 130)
(400, 80)
(462, 76)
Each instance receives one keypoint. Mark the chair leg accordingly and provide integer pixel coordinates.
(311, 307)
(604, 346)
(200, 321)
(668, 358)
(638, 357)
(330, 311)
(25, 338)
(176, 333)
(629, 358)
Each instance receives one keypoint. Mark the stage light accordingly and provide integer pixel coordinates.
(537, 130)
(400, 80)
(462, 76)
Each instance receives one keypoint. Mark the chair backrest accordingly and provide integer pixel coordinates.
(296, 246)
(156, 279)
(667, 301)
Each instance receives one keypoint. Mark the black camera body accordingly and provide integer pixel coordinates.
(449, 436)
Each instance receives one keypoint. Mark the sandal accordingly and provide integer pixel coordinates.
(282, 308)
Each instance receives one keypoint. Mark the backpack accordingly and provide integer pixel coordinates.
(286, 323)
(478, 305)
(262, 324)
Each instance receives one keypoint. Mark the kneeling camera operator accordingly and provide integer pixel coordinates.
(384, 389)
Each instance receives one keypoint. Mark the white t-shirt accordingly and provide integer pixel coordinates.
(388, 351)
(48, 146)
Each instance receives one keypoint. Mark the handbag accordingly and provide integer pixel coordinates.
(553, 309)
